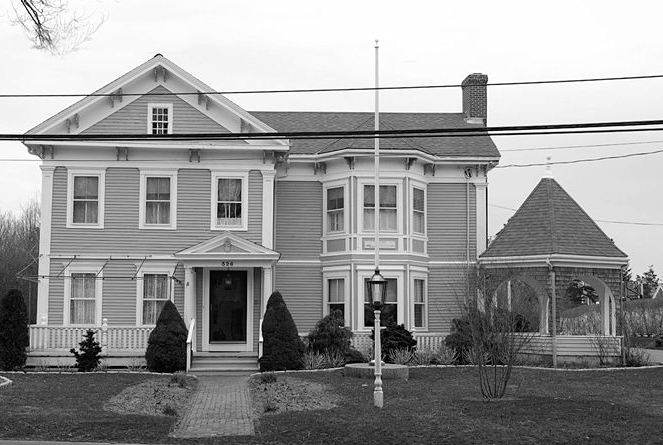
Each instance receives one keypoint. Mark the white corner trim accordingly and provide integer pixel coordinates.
(229, 174)
(101, 174)
(151, 106)
(144, 174)
(46, 211)
(268, 177)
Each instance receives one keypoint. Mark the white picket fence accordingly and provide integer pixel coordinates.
(425, 341)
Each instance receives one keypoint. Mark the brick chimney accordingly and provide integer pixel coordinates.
(475, 98)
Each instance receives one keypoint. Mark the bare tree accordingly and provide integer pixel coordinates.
(53, 25)
(19, 251)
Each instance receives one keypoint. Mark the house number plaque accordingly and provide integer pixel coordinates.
(227, 263)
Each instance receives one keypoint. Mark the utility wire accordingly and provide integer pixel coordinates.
(510, 130)
(565, 147)
(578, 161)
(327, 90)
(634, 223)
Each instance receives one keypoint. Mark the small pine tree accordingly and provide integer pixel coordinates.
(395, 337)
(90, 353)
(166, 347)
(282, 347)
(14, 334)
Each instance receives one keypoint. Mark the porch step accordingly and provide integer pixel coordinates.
(217, 362)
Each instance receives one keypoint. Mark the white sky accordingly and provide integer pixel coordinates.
(309, 44)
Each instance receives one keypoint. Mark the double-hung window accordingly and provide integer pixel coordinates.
(418, 211)
(335, 209)
(85, 200)
(82, 302)
(389, 311)
(336, 296)
(159, 118)
(419, 302)
(156, 291)
(387, 208)
(158, 204)
(229, 203)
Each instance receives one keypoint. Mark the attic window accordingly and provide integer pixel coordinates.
(160, 118)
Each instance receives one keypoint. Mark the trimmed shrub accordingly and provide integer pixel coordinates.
(354, 356)
(460, 340)
(330, 335)
(166, 347)
(282, 347)
(395, 337)
(14, 335)
(89, 354)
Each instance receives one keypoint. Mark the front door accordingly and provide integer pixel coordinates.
(228, 310)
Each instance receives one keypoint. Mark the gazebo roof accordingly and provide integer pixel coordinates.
(550, 222)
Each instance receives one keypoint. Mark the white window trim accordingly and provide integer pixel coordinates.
(144, 174)
(345, 276)
(421, 186)
(244, 176)
(346, 213)
(424, 277)
(95, 268)
(150, 106)
(149, 270)
(101, 174)
(361, 294)
(399, 205)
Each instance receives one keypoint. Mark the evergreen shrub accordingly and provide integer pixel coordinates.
(166, 347)
(330, 334)
(282, 347)
(460, 340)
(395, 337)
(14, 334)
(89, 354)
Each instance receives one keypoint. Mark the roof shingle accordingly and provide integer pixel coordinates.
(551, 222)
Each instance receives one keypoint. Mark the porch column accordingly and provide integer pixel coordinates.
(482, 217)
(266, 288)
(189, 295)
(268, 208)
(45, 243)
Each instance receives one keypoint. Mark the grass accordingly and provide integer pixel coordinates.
(437, 405)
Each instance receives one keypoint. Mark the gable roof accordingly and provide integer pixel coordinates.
(454, 147)
(551, 222)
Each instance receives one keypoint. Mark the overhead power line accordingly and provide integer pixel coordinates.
(578, 161)
(345, 89)
(634, 223)
(510, 130)
(565, 147)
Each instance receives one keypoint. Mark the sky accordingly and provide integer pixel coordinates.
(309, 44)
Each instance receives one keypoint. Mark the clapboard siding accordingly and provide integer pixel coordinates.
(133, 117)
(298, 216)
(56, 293)
(119, 294)
(121, 236)
(446, 296)
(301, 287)
(447, 222)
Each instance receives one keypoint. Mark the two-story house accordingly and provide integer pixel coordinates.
(217, 224)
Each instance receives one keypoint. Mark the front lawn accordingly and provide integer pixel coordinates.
(70, 407)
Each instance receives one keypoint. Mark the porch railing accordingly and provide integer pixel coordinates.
(111, 338)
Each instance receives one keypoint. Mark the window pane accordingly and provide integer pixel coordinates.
(337, 308)
(419, 315)
(335, 198)
(337, 290)
(81, 312)
(335, 221)
(230, 189)
(388, 220)
(229, 211)
(418, 199)
(418, 291)
(164, 213)
(369, 196)
(369, 219)
(391, 291)
(418, 222)
(86, 187)
(151, 310)
(85, 212)
(388, 196)
(158, 189)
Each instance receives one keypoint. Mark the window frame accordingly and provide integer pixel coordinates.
(337, 275)
(152, 106)
(216, 175)
(157, 269)
(397, 275)
(91, 268)
(420, 186)
(421, 277)
(398, 183)
(142, 210)
(101, 201)
(346, 213)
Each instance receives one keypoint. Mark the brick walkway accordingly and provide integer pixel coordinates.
(220, 406)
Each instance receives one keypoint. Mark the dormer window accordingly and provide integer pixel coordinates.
(160, 118)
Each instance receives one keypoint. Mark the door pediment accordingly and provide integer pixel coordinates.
(228, 247)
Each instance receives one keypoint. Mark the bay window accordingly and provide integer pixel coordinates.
(335, 209)
(336, 296)
(419, 303)
(418, 211)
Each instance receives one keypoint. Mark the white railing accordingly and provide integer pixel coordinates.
(190, 343)
(111, 338)
(260, 339)
(425, 340)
